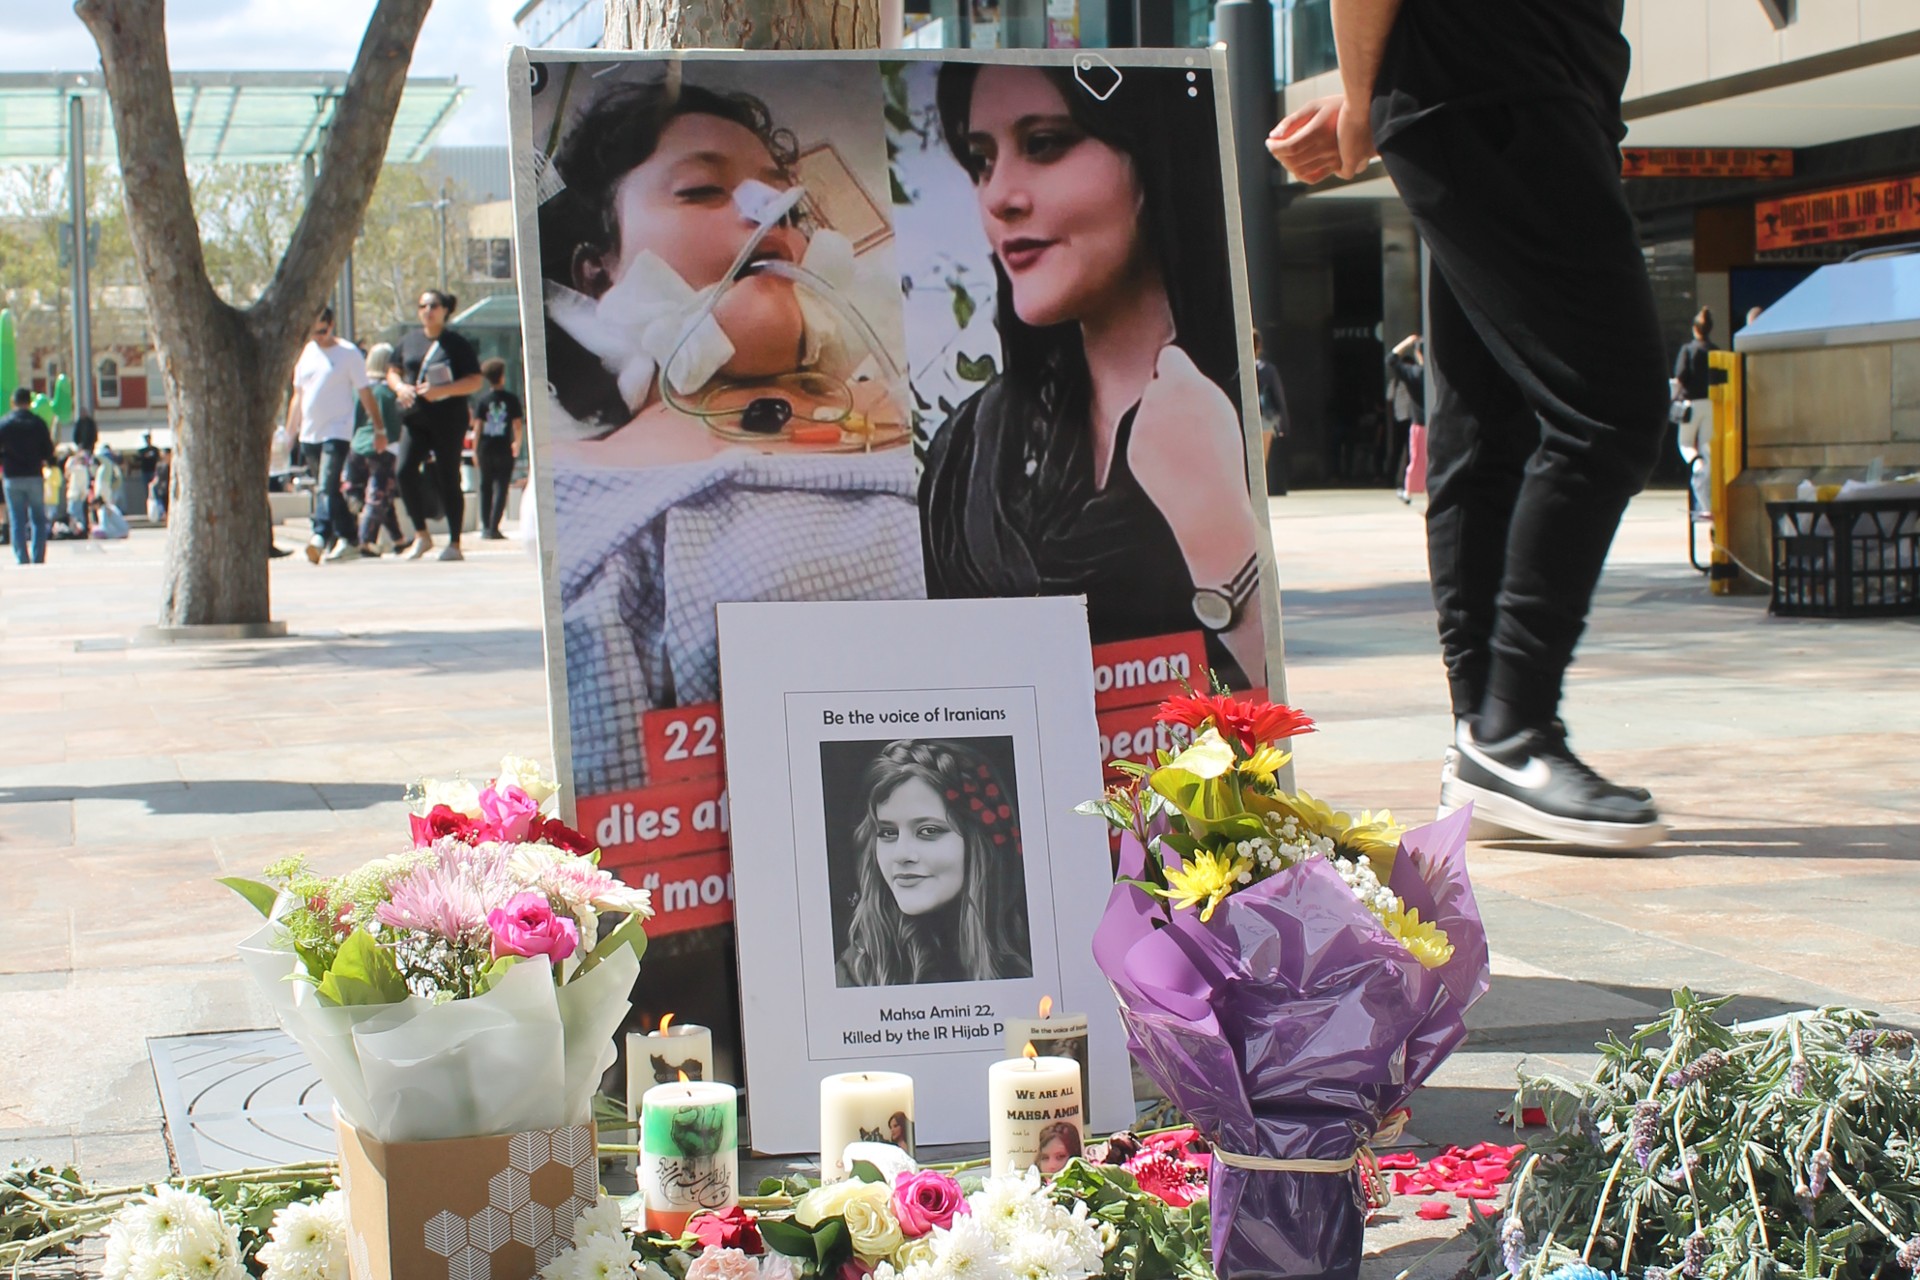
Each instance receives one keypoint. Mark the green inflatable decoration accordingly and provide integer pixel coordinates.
(9, 366)
(43, 407)
(63, 398)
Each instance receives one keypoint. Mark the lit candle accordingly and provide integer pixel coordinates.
(863, 1106)
(1034, 1113)
(675, 1047)
(689, 1153)
(1054, 1035)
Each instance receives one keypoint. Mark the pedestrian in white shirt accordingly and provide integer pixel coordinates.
(329, 376)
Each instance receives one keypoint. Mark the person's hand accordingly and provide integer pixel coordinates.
(405, 395)
(379, 442)
(1356, 141)
(1307, 142)
(424, 391)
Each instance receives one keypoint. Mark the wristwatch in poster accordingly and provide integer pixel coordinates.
(1218, 608)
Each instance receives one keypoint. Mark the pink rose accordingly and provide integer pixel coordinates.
(508, 812)
(925, 1200)
(527, 926)
(723, 1264)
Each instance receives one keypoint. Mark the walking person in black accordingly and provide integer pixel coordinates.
(434, 372)
(26, 447)
(1692, 411)
(1499, 122)
(500, 427)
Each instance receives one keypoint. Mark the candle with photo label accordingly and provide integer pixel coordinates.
(670, 1049)
(1034, 1113)
(689, 1153)
(1054, 1035)
(863, 1106)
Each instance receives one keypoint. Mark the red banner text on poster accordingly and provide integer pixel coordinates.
(1132, 673)
(647, 824)
(1706, 162)
(682, 742)
(1889, 207)
(1131, 733)
(692, 892)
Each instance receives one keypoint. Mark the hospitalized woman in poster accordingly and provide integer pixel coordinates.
(942, 893)
(1107, 458)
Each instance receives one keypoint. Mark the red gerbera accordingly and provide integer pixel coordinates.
(1255, 724)
(1161, 1175)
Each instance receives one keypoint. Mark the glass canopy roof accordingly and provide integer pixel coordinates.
(226, 117)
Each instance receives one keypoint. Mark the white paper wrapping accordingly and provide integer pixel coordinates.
(526, 1055)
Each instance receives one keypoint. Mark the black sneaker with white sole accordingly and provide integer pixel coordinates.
(1533, 784)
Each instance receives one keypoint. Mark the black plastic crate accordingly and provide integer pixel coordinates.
(1846, 559)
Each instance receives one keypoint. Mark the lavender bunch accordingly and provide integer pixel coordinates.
(1778, 1136)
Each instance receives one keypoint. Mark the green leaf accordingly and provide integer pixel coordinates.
(771, 1187)
(362, 973)
(783, 1235)
(831, 1244)
(631, 932)
(491, 975)
(897, 190)
(262, 896)
(867, 1171)
(981, 370)
(963, 305)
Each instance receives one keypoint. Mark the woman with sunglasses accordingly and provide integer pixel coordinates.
(434, 370)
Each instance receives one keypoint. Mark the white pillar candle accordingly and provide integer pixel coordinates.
(1034, 1113)
(689, 1152)
(671, 1049)
(1054, 1035)
(863, 1106)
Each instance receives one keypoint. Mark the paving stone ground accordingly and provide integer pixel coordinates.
(1785, 752)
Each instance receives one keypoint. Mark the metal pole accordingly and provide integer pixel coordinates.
(83, 390)
(440, 209)
(1246, 27)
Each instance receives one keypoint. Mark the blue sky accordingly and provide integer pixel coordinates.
(463, 38)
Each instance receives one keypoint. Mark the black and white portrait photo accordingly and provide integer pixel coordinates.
(924, 861)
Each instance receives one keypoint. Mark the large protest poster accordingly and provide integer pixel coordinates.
(846, 326)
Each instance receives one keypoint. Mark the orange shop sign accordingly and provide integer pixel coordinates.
(1706, 162)
(1844, 213)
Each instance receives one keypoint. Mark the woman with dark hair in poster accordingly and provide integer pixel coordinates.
(941, 886)
(1107, 458)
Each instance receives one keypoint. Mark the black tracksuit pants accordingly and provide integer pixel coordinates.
(1546, 383)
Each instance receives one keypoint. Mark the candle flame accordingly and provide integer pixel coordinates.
(683, 1077)
(663, 1023)
(1046, 1006)
(1029, 1053)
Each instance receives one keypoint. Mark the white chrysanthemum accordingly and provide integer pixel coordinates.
(529, 777)
(603, 1219)
(1040, 1255)
(1009, 1205)
(172, 1233)
(968, 1251)
(308, 1241)
(604, 1257)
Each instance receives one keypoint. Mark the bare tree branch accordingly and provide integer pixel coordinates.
(350, 163)
(153, 161)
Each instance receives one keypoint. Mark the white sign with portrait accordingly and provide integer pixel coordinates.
(910, 877)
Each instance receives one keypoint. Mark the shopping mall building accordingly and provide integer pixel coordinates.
(1766, 137)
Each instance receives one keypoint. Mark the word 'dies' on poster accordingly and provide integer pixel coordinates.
(786, 342)
(911, 878)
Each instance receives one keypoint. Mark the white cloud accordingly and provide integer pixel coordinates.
(462, 38)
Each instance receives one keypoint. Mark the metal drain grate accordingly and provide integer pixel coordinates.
(240, 1100)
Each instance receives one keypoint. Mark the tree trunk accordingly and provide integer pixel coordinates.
(227, 369)
(744, 24)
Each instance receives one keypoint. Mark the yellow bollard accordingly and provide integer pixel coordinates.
(1729, 423)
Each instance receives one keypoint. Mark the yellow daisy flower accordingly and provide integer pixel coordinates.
(1427, 942)
(1207, 877)
(1264, 763)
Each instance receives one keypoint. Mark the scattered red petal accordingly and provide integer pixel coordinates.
(1532, 1116)
(1477, 1193)
(1400, 1160)
(1433, 1210)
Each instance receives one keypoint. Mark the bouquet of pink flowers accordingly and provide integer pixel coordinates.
(469, 985)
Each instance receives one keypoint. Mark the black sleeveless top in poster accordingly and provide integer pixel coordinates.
(1009, 507)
